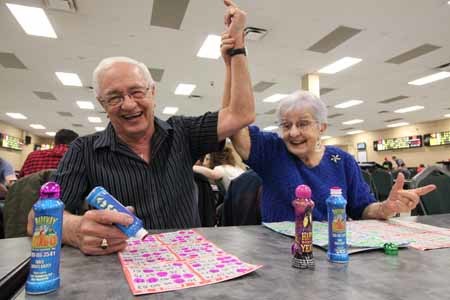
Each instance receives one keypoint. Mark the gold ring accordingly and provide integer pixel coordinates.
(104, 244)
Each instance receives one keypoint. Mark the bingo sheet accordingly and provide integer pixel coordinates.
(374, 234)
(177, 260)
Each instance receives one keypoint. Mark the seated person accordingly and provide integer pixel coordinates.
(387, 164)
(420, 168)
(7, 175)
(298, 157)
(403, 169)
(221, 165)
(48, 159)
(143, 161)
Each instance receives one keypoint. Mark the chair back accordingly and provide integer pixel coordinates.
(437, 201)
(206, 201)
(19, 201)
(242, 201)
(383, 181)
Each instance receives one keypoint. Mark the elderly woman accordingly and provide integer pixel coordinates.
(296, 156)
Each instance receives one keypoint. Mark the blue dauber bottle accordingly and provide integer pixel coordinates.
(337, 231)
(46, 241)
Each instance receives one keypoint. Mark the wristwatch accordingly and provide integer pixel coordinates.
(236, 51)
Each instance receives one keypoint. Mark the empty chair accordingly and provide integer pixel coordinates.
(382, 180)
(368, 179)
(19, 201)
(438, 201)
(242, 201)
(206, 201)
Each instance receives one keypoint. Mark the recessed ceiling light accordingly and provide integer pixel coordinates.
(430, 78)
(16, 116)
(69, 79)
(351, 122)
(37, 126)
(85, 104)
(349, 103)
(170, 110)
(51, 133)
(94, 119)
(33, 20)
(210, 47)
(340, 65)
(355, 131)
(408, 109)
(99, 128)
(397, 124)
(275, 98)
(184, 89)
(325, 137)
(270, 128)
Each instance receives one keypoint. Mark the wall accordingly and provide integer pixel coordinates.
(412, 157)
(16, 158)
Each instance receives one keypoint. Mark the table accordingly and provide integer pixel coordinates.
(371, 275)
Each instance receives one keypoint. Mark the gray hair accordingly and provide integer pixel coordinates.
(109, 61)
(303, 99)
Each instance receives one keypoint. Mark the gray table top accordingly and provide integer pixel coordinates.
(411, 275)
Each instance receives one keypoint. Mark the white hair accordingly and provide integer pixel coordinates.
(109, 61)
(303, 100)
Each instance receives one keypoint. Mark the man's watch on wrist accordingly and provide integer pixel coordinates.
(236, 51)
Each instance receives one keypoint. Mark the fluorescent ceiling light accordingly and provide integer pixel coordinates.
(210, 47)
(325, 137)
(340, 65)
(408, 109)
(85, 104)
(270, 128)
(275, 98)
(51, 133)
(349, 103)
(99, 128)
(170, 110)
(16, 116)
(70, 79)
(397, 124)
(33, 20)
(94, 119)
(184, 89)
(351, 122)
(447, 115)
(37, 126)
(355, 131)
(430, 78)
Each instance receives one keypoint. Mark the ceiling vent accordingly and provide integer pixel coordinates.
(393, 120)
(61, 5)
(254, 33)
(334, 116)
(383, 111)
(195, 97)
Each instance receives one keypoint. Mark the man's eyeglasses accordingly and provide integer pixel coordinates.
(117, 99)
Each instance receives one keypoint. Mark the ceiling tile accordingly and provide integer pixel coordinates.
(168, 13)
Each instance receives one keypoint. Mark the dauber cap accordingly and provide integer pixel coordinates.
(50, 190)
(303, 191)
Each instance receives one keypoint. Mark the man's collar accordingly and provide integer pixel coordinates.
(108, 137)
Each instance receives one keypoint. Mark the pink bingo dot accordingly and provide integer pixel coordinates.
(183, 254)
(150, 260)
(133, 251)
(238, 263)
(199, 239)
(196, 265)
(207, 250)
(188, 275)
(220, 252)
(175, 241)
(152, 279)
(193, 255)
(220, 266)
(179, 280)
(156, 253)
(190, 232)
(177, 264)
(220, 258)
(181, 232)
(146, 255)
(241, 270)
(139, 280)
(162, 274)
(175, 276)
(160, 258)
(213, 270)
(148, 270)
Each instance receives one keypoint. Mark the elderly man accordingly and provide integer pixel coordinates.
(141, 160)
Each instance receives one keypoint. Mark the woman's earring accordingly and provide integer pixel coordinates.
(318, 146)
